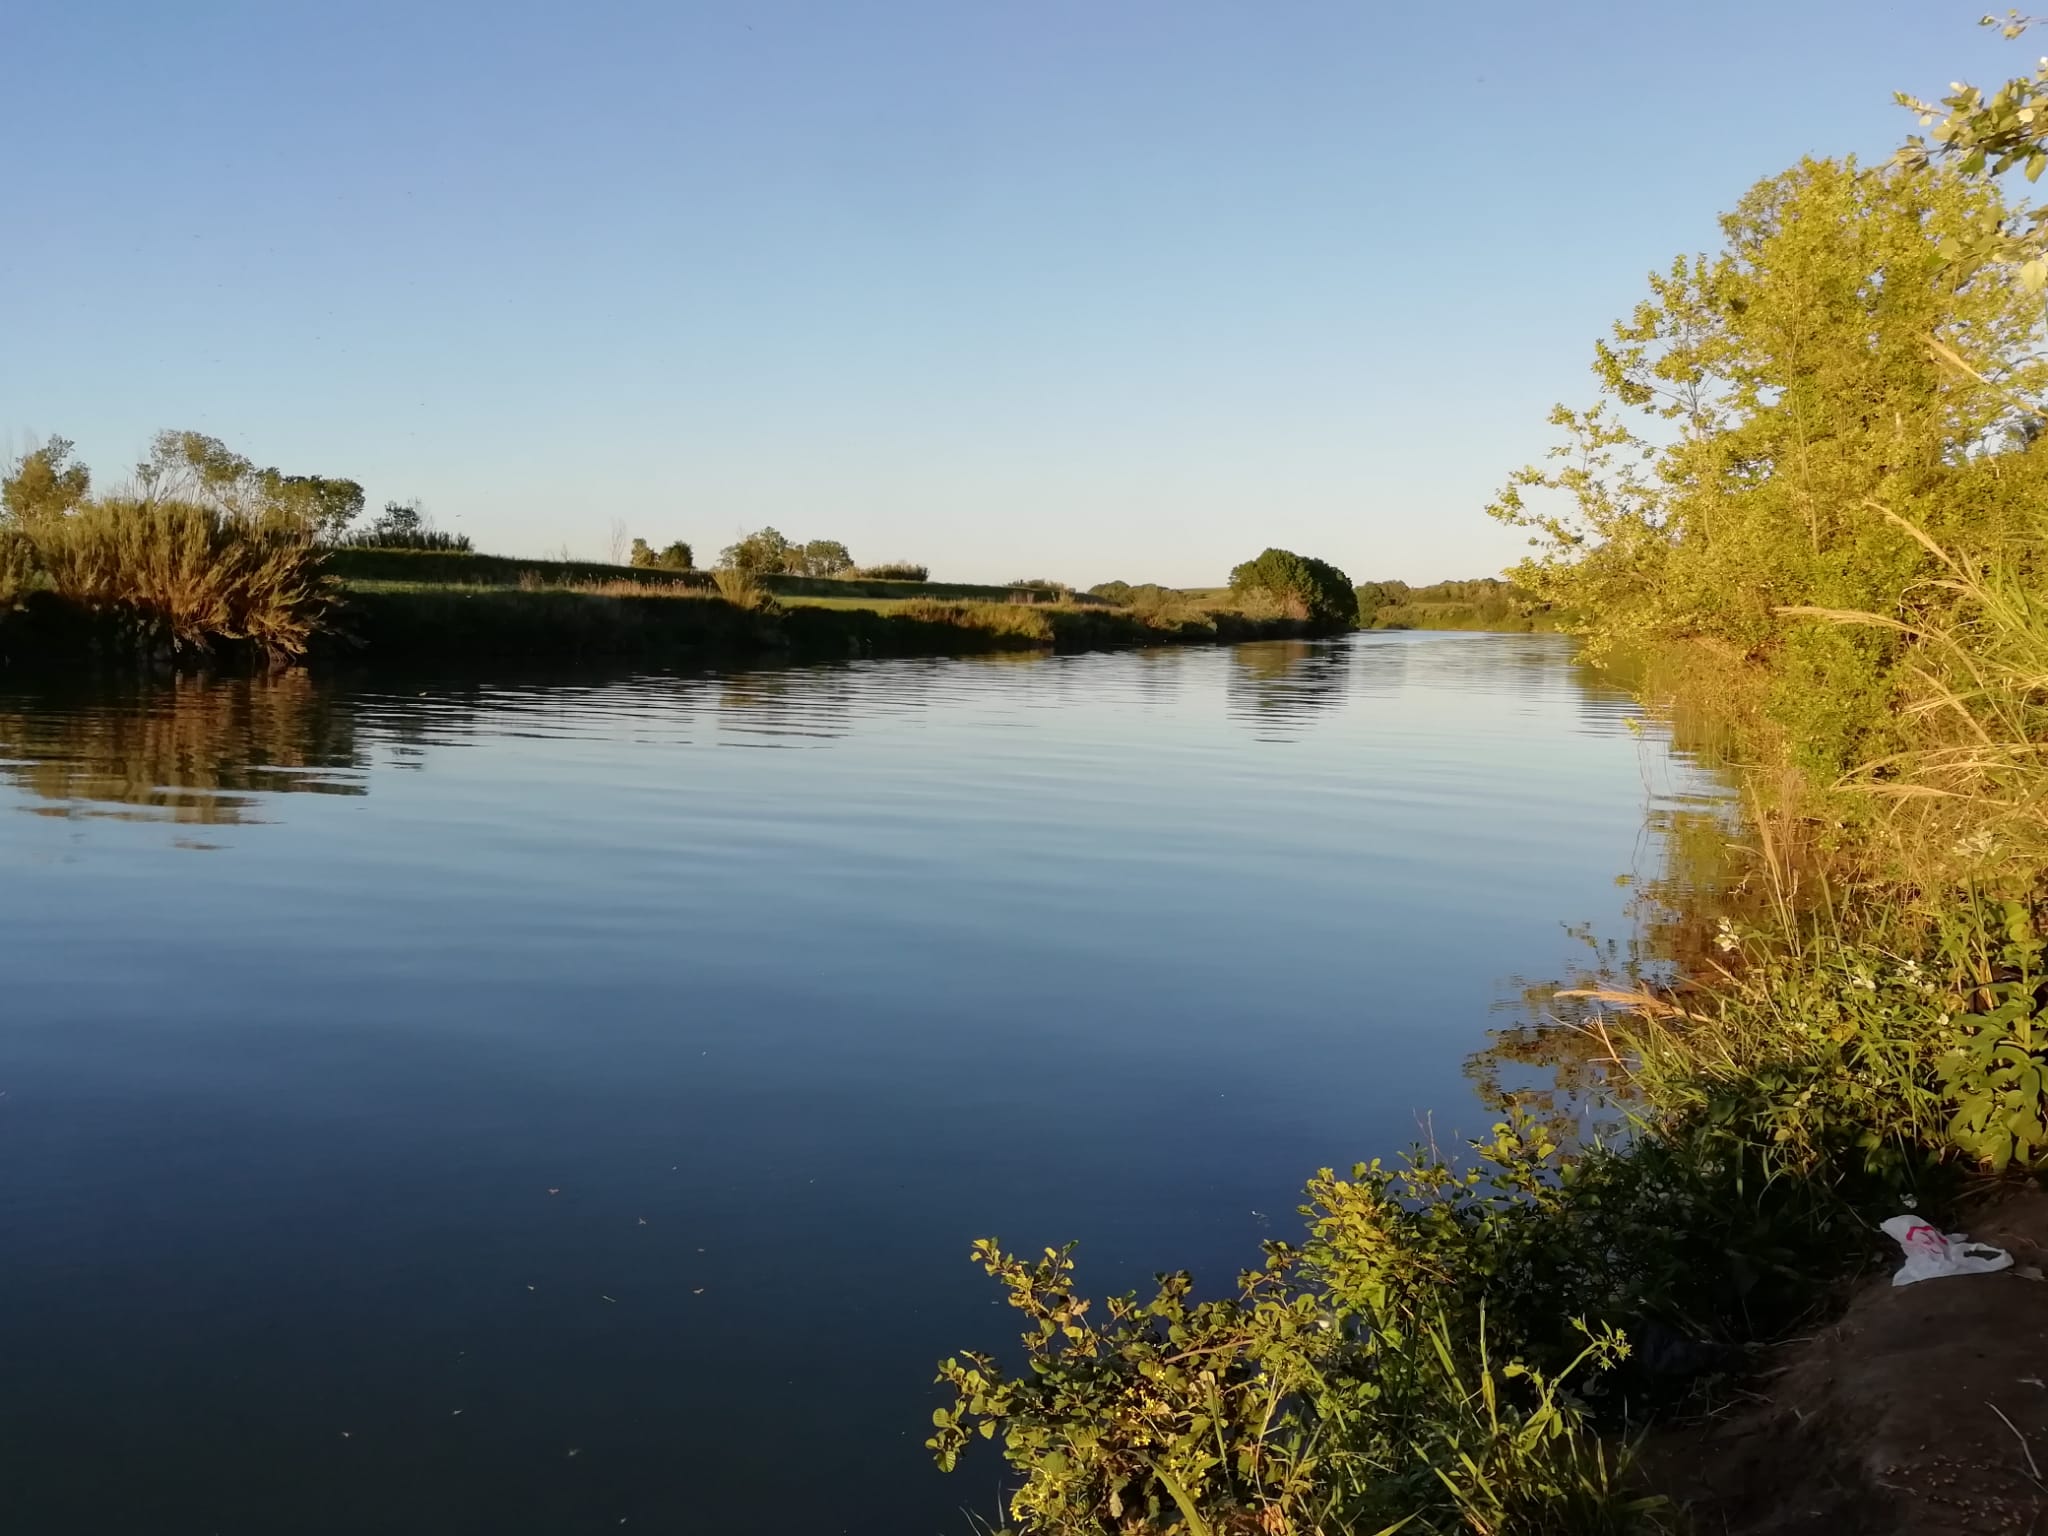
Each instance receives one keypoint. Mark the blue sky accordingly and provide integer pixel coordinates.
(1078, 290)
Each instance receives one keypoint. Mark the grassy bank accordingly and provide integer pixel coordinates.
(455, 623)
(466, 568)
(166, 581)
(1835, 565)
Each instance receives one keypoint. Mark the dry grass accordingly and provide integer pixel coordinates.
(192, 576)
(742, 589)
(17, 566)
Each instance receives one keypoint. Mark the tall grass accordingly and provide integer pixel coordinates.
(1969, 787)
(185, 576)
(17, 566)
(743, 589)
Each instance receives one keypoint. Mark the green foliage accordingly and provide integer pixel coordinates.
(1299, 586)
(823, 557)
(1158, 604)
(403, 525)
(673, 557)
(1995, 1071)
(1988, 135)
(195, 468)
(769, 553)
(1483, 604)
(895, 570)
(44, 483)
(1824, 380)
(1281, 1408)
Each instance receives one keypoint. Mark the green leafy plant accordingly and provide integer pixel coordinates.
(1299, 586)
(1995, 1071)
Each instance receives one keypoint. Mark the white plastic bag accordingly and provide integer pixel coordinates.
(1930, 1254)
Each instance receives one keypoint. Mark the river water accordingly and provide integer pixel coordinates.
(552, 1105)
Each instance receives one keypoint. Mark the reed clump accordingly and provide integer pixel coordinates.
(180, 576)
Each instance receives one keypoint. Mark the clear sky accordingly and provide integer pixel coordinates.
(1109, 288)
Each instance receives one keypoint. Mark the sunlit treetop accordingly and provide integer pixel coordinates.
(1988, 135)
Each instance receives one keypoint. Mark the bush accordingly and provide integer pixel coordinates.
(1300, 587)
(187, 576)
(1342, 1388)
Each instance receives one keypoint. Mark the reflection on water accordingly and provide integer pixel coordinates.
(195, 751)
(1276, 686)
(627, 1061)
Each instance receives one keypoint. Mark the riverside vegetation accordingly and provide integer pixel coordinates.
(208, 557)
(1810, 514)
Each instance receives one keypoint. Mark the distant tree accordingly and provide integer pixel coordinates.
(1299, 585)
(1111, 591)
(894, 570)
(400, 520)
(674, 557)
(404, 525)
(326, 506)
(1375, 595)
(44, 483)
(190, 466)
(825, 557)
(766, 553)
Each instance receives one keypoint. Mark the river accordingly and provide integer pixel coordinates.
(549, 1106)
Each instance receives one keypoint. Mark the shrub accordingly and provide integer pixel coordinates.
(897, 570)
(1331, 1392)
(1300, 587)
(187, 576)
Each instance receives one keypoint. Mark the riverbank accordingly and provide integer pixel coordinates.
(1833, 1011)
(379, 626)
(468, 624)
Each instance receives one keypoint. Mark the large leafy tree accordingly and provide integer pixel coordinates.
(1773, 414)
(1300, 585)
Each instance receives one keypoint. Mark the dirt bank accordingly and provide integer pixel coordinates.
(1924, 1410)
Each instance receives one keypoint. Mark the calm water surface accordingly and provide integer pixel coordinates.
(534, 1108)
